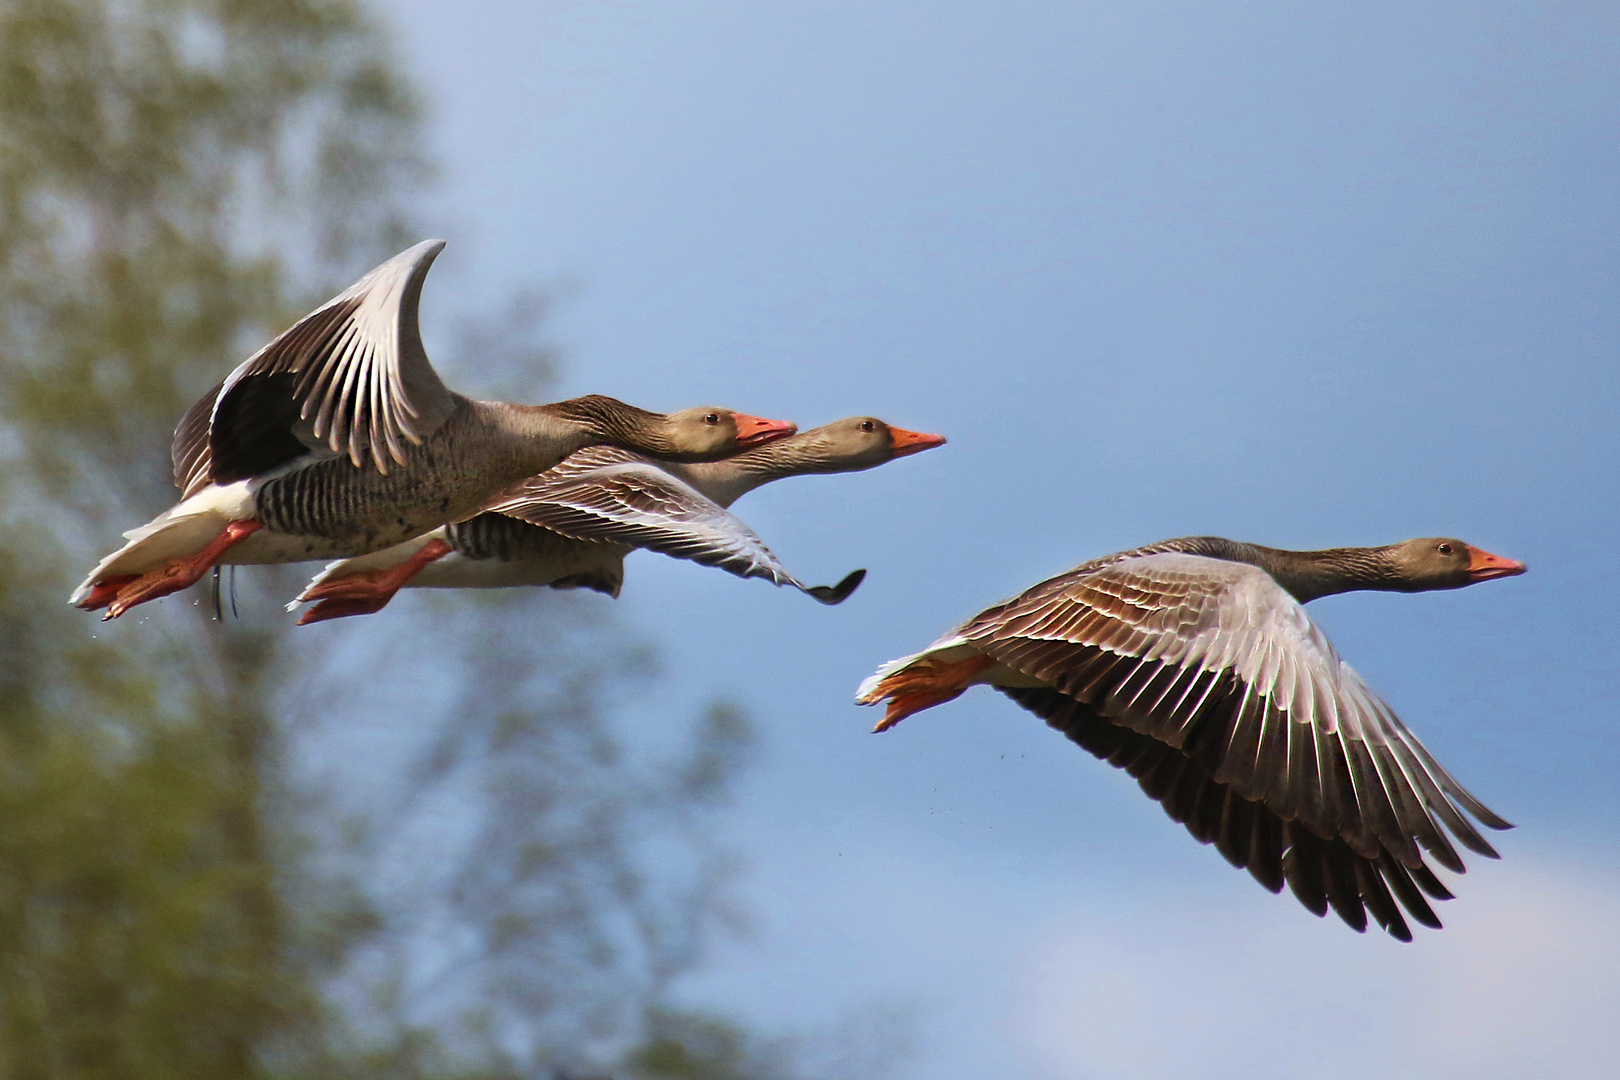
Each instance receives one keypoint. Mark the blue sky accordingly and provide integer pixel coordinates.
(1302, 277)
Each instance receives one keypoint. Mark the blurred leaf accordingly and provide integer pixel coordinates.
(158, 212)
(185, 890)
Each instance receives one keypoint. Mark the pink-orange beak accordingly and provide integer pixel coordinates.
(913, 442)
(1483, 566)
(756, 430)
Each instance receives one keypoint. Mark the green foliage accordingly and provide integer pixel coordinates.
(692, 1046)
(178, 180)
(149, 164)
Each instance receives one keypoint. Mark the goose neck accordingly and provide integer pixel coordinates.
(727, 481)
(608, 420)
(1308, 575)
(567, 426)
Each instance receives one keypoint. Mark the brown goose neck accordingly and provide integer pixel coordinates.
(728, 480)
(1307, 575)
(609, 420)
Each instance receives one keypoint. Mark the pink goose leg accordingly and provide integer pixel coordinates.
(177, 574)
(366, 591)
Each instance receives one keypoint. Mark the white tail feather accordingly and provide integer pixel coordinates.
(869, 694)
(179, 531)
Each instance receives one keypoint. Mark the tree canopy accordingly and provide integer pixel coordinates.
(179, 896)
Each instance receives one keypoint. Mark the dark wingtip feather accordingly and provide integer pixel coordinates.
(1302, 868)
(1473, 841)
(1380, 904)
(1429, 883)
(837, 594)
(1488, 819)
(1265, 852)
(1399, 880)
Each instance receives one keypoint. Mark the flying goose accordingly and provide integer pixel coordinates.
(338, 438)
(1192, 665)
(573, 525)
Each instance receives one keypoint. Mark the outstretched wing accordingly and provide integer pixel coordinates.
(607, 494)
(1320, 872)
(1211, 659)
(351, 376)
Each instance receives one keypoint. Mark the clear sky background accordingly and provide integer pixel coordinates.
(1303, 275)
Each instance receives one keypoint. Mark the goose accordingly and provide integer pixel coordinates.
(1192, 665)
(338, 438)
(572, 526)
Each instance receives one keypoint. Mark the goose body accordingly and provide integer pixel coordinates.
(338, 438)
(573, 525)
(1192, 665)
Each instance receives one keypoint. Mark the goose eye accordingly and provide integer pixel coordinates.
(867, 425)
(712, 418)
(1445, 549)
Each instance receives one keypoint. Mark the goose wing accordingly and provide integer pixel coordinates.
(1211, 671)
(351, 378)
(192, 462)
(1321, 873)
(607, 494)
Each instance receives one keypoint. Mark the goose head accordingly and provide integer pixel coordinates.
(1443, 562)
(709, 434)
(861, 442)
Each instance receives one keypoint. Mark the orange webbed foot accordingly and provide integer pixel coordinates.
(342, 607)
(360, 585)
(173, 576)
(365, 591)
(105, 592)
(922, 686)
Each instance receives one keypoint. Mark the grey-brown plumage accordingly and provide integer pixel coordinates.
(338, 438)
(1191, 664)
(611, 495)
(572, 525)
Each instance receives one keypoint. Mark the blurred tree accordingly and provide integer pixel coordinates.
(175, 175)
(179, 179)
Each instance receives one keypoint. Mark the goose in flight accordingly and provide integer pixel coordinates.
(1192, 665)
(573, 525)
(338, 438)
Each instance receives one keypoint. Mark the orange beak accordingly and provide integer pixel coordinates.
(913, 442)
(756, 430)
(1483, 566)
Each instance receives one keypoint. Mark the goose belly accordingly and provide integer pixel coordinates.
(330, 509)
(458, 571)
(267, 546)
(493, 551)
